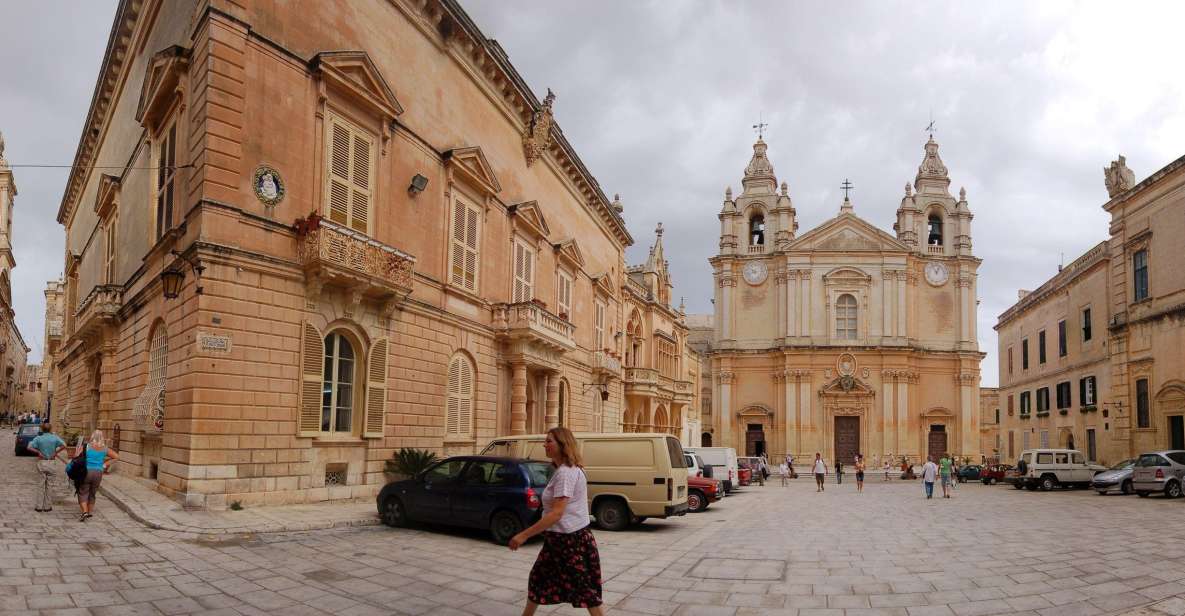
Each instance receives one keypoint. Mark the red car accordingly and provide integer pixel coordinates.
(744, 476)
(702, 492)
(994, 473)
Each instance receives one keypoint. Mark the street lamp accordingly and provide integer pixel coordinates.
(171, 280)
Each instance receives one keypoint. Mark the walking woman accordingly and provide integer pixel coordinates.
(98, 460)
(859, 473)
(820, 470)
(568, 568)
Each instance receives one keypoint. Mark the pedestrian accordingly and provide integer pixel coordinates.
(785, 470)
(859, 473)
(945, 466)
(98, 459)
(760, 471)
(820, 471)
(888, 469)
(48, 447)
(790, 465)
(838, 471)
(929, 472)
(568, 568)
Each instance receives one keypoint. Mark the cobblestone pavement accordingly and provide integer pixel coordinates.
(772, 550)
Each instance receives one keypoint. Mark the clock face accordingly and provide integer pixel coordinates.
(755, 272)
(936, 274)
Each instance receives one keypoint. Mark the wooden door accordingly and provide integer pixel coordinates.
(755, 440)
(847, 439)
(937, 444)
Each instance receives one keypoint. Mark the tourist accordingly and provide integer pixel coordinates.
(790, 465)
(98, 459)
(929, 473)
(838, 471)
(785, 470)
(568, 568)
(945, 466)
(859, 473)
(888, 469)
(48, 447)
(820, 471)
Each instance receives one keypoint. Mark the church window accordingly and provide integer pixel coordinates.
(337, 392)
(845, 317)
(1143, 420)
(350, 172)
(459, 401)
(757, 230)
(524, 273)
(934, 237)
(1140, 275)
(166, 179)
(464, 259)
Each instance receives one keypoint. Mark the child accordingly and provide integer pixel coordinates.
(888, 469)
(785, 474)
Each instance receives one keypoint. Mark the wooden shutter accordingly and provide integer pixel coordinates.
(360, 175)
(311, 379)
(376, 389)
(599, 326)
(524, 265)
(339, 173)
(463, 260)
(517, 295)
(471, 249)
(564, 294)
(350, 160)
(458, 413)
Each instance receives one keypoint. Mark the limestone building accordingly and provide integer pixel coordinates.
(845, 338)
(330, 234)
(55, 298)
(1092, 358)
(989, 425)
(13, 351)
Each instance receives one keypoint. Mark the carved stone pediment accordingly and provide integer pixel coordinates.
(847, 385)
(848, 232)
(355, 73)
(470, 164)
(529, 217)
(161, 81)
(603, 284)
(108, 196)
(569, 252)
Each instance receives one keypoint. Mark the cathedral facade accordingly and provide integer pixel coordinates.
(845, 339)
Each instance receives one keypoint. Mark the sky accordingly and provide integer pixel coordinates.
(1030, 101)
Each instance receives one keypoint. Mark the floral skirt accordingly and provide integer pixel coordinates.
(568, 570)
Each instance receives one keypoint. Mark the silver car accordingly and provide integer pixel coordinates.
(1161, 471)
(1118, 477)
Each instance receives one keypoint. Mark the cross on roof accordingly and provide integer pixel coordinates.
(846, 186)
(760, 127)
(930, 126)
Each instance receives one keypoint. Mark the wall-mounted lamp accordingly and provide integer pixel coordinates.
(174, 275)
(604, 387)
(617, 336)
(418, 184)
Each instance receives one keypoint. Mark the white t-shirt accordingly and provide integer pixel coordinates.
(820, 467)
(567, 481)
(929, 471)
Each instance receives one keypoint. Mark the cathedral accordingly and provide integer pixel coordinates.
(844, 339)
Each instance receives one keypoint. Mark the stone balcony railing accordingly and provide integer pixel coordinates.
(935, 249)
(756, 249)
(605, 363)
(639, 376)
(533, 323)
(338, 255)
(99, 308)
(53, 329)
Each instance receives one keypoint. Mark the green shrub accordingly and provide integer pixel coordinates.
(236, 505)
(409, 462)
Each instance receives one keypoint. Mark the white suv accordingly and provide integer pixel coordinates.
(1050, 468)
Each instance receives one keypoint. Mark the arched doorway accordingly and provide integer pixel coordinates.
(706, 439)
(661, 422)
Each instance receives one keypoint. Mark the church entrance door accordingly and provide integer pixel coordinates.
(755, 440)
(847, 439)
(937, 443)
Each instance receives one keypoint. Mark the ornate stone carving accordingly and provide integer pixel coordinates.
(932, 165)
(538, 136)
(725, 378)
(966, 378)
(779, 376)
(1118, 178)
(846, 364)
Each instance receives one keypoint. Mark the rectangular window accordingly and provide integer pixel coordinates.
(1041, 347)
(1086, 325)
(1140, 275)
(109, 257)
(524, 273)
(349, 167)
(1009, 360)
(1011, 443)
(1011, 407)
(1026, 402)
(1043, 400)
(1086, 390)
(166, 179)
(1024, 440)
(1044, 444)
(997, 421)
(599, 326)
(1061, 338)
(464, 246)
(563, 295)
(1024, 354)
(1063, 395)
(1143, 420)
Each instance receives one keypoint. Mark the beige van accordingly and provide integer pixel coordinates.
(630, 476)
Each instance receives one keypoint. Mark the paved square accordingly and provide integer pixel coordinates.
(772, 550)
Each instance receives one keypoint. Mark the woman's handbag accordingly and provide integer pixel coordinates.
(76, 469)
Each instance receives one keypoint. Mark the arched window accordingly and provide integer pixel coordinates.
(337, 391)
(459, 403)
(934, 237)
(157, 371)
(757, 230)
(845, 317)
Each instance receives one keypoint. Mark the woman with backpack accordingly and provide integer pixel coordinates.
(96, 458)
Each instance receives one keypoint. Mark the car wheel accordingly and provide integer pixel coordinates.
(1142, 494)
(1101, 492)
(503, 526)
(394, 513)
(1031, 487)
(1018, 485)
(1172, 490)
(696, 501)
(1048, 483)
(612, 514)
(1126, 487)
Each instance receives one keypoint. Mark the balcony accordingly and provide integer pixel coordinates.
(333, 254)
(530, 323)
(756, 249)
(605, 364)
(53, 330)
(100, 308)
(935, 249)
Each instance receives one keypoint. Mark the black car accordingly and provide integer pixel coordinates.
(971, 472)
(501, 494)
(25, 435)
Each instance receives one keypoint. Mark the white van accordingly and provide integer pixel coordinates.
(724, 459)
(631, 476)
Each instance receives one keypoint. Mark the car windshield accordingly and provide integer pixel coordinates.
(1122, 466)
(30, 430)
(540, 473)
(676, 453)
(1151, 459)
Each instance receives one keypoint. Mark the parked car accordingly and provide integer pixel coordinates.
(702, 492)
(994, 473)
(744, 475)
(1161, 471)
(1051, 468)
(969, 473)
(696, 466)
(497, 493)
(1118, 477)
(724, 460)
(631, 476)
(25, 434)
(753, 463)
